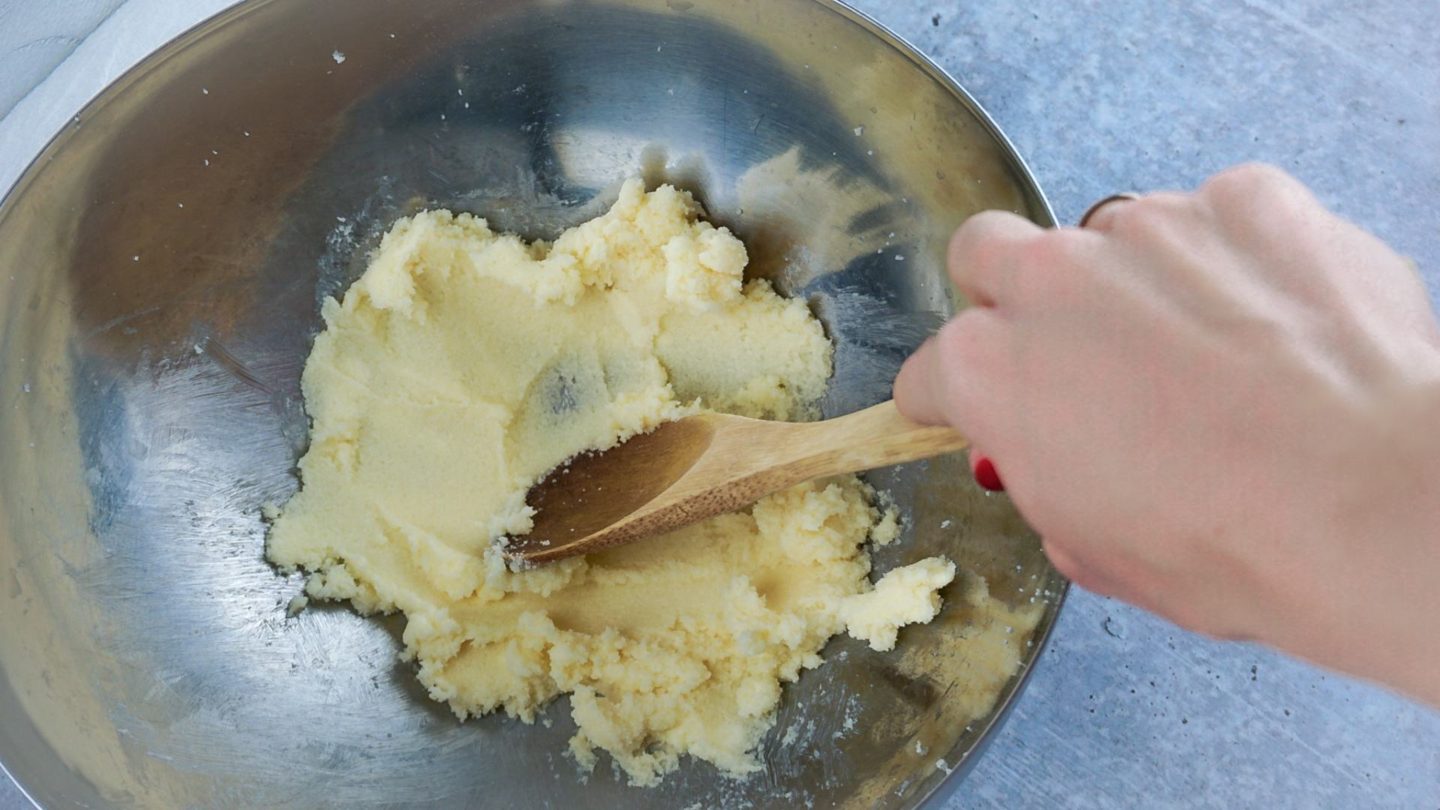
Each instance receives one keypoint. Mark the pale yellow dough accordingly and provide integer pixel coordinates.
(464, 364)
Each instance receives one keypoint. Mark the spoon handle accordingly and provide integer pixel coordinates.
(878, 436)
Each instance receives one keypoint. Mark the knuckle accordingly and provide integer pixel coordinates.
(967, 349)
(1156, 213)
(961, 340)
(978, 241)
(1262, 204)
(1161, 221)
(1249, 179)
(1053, 266)
(1058, 247)
(985, 251)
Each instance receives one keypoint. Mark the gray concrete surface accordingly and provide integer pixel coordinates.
(1125, 710)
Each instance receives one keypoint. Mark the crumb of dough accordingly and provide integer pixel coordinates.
(887, 530)
(907, 595)
(296, 604)
(464, 364)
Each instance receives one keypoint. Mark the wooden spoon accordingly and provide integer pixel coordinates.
(700, 466)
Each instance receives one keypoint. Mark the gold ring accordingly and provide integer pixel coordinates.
(1126, 196)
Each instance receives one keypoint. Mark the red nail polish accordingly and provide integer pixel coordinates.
(986, 476)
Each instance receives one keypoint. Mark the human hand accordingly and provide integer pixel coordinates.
(1222, 406)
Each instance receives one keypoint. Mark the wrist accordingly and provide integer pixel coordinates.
(1377, 608)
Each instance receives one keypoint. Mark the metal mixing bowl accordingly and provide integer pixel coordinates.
(161, 269)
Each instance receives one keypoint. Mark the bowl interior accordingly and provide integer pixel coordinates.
(161, 268)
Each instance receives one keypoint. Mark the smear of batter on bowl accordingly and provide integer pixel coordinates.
(465, 364)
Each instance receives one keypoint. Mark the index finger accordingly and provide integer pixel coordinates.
(982, 255)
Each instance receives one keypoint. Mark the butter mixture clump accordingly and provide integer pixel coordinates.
(465, 364)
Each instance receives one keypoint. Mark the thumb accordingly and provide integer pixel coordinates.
(919, 396)
(950, 378)
(919, 392)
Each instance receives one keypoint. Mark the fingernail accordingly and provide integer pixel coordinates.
(986, 476)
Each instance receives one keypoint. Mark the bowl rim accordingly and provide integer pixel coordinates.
(1041, 636)
(943, 790)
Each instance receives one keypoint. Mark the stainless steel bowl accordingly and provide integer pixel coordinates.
(161, 268)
